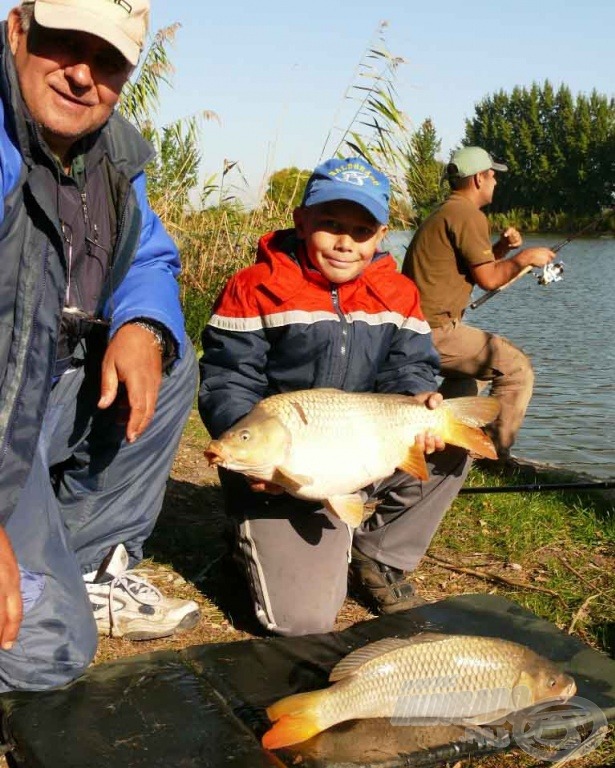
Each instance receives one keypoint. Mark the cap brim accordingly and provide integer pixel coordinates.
(499, 166)
(331, 191)
(82, 20)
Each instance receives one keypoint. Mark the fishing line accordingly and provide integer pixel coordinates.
(539, 487)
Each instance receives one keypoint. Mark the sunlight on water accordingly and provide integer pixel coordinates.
(568, 329)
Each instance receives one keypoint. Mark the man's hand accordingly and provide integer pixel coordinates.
(536, 257)
(509, 240)
(512, 238)
(427, 441)
(134, 359)
(11, 606)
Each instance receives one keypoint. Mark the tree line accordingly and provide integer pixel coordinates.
(560, 151)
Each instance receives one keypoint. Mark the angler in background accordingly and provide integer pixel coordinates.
(322, 307)
(449, 254)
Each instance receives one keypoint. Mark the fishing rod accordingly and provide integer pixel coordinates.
(551, 272)
(537, 487)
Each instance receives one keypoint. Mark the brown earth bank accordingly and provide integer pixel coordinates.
(188, 559)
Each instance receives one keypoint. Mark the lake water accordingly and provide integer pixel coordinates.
(568, 330)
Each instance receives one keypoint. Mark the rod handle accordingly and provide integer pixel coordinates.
(486, 296)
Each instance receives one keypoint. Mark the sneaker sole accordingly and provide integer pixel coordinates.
(189, 621)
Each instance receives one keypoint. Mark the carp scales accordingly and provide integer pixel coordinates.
(325, 444)
(427, 679)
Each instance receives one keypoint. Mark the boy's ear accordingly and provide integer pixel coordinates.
(299, 219)
(381, 234)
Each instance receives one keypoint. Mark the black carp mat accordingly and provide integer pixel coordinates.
(204, 706)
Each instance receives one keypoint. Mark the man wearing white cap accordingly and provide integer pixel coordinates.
(97, 376)
(450, 252)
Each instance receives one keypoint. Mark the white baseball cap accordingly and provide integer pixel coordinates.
(122, 23)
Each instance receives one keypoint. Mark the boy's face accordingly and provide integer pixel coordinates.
(341, 238)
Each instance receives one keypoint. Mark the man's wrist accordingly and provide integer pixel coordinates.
(163, 337)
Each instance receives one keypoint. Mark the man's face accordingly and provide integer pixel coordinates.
(341, 238)
(488, 186)
(70, 81)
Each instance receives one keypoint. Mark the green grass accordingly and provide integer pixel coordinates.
(560, 541)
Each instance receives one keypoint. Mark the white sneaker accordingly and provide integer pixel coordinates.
(126, 605)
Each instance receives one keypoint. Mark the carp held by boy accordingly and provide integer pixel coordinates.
(325, 444)
(422, 680)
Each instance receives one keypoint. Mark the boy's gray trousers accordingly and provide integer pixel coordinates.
(101, 491)
(295, 553)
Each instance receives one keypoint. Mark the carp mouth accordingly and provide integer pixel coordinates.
(218, 457)
(214, 455)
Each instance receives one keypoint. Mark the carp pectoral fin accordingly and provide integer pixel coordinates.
(522, 693)
(289, 480)
(415, 464)
(349, 508)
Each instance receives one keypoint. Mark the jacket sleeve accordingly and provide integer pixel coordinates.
(150, 288)
(412, 362)
(233, 364)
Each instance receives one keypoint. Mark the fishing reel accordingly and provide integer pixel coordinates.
(551, 273)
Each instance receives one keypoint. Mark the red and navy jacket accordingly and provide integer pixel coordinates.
(280, 325)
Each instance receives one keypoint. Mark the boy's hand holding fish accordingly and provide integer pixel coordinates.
(428, 441)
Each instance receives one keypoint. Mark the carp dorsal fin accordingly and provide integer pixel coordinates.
(356, 659)
(288, 479)
(348, 507)
(415, 464)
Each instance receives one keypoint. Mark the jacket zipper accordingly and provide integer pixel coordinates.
(107, 292)
(343, 349)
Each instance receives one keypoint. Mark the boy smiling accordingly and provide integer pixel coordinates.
(324, 307)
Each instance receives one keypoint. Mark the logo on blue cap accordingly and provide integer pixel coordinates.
(351, 179)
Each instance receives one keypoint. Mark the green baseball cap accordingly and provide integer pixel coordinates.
(467, 161)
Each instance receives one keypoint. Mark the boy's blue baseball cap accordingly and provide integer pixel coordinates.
(351, 179)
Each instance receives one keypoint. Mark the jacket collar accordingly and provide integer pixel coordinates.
(283, 254)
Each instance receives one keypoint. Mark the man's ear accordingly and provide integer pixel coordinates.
(14, 30)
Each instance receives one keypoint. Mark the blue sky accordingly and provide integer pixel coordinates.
(276, 72)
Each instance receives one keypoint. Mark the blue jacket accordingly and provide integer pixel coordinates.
(280, 326)
(141, 281)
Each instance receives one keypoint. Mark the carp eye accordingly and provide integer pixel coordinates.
(551, 682)
(244, 435)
